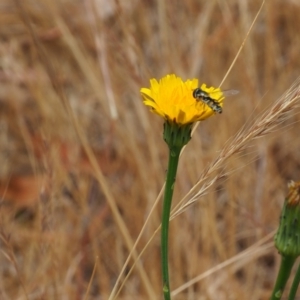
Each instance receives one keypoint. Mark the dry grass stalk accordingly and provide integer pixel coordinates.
(267, 123)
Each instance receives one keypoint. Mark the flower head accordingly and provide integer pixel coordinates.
(172, 98)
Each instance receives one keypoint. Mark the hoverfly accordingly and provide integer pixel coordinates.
(200, 95)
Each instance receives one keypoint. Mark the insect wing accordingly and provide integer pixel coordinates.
(227, 93)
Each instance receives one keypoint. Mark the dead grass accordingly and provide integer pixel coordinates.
(82, 160)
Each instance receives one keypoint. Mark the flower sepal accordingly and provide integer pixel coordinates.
(287, 238)
(177, 136)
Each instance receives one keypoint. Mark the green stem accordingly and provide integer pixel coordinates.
(295, 285)
(170, 180)
(286, 265)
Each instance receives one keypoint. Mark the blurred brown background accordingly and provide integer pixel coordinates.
(82, 160)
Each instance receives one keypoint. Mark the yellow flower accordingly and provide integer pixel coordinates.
(172, 98)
